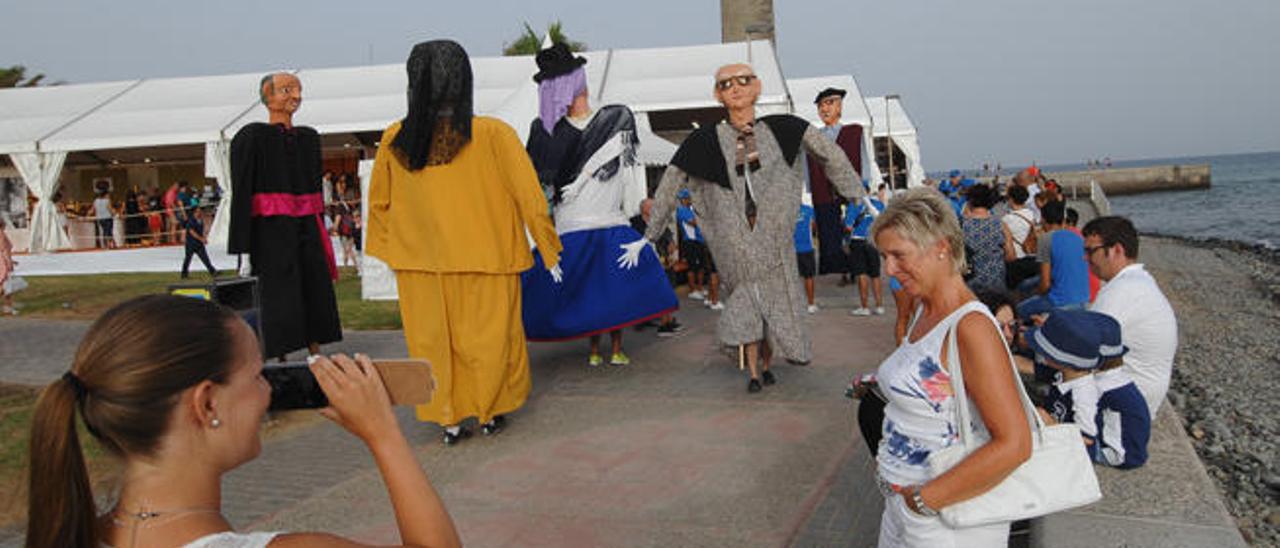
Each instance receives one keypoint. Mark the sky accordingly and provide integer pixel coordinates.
(1009, 81)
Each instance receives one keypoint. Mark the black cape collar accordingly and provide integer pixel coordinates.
(700, 154)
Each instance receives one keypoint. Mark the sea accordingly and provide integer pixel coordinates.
(1241, 204)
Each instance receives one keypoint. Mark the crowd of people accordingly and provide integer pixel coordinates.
(455, 201)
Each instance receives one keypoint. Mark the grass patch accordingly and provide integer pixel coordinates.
(85, 297)
(17, 405)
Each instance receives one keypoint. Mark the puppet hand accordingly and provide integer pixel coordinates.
(631, 253)
(556, 274)
(246, 267)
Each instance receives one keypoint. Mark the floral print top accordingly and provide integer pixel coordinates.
(920, 417)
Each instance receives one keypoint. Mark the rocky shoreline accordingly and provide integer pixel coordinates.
(1227, 298)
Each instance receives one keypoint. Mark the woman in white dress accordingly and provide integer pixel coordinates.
(174, 386)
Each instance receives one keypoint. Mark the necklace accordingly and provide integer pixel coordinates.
(144, 514)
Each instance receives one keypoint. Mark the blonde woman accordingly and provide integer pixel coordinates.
(923, 247)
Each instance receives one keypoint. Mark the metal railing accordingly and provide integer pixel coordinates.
(1099, 199)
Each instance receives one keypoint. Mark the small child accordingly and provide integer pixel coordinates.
(1124, 421)
(193, 224)
(1105, 405)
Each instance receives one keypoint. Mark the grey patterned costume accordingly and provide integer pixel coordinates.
(757, 266)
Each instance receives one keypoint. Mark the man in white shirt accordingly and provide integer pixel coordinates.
(1131, 296)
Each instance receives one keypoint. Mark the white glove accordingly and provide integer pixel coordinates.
(631, 253)
(556, 273)
(246, 267)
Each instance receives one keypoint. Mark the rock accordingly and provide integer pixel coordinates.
(1197, 432)
(1273, 519)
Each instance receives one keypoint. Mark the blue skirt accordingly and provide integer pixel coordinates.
(597, 295)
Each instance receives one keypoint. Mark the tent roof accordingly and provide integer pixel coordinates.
(803, 90)
(27, 115)
(896, 121)
(166, 111)
(174, 111)
(682, 77)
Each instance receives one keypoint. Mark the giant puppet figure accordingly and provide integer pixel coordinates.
(826, 206)
(588, 160)
(746, 178)
(453, 200)
(276, 217)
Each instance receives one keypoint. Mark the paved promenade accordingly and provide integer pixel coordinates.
(670, 451)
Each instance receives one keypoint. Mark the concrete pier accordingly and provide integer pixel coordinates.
(1133, 180)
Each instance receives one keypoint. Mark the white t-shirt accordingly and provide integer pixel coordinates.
(1020, 222)
(1147, 326)
(102, 208)
(1032, 190)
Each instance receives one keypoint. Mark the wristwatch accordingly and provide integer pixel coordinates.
(917, 503)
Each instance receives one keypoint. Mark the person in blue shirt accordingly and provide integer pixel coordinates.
(703, 280)
(864, 260)
(193, 225)
(805, 258)
(1064, 273)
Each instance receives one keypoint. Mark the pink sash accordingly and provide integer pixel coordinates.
(283, 204)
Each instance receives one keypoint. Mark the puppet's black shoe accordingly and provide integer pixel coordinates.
(451, 438)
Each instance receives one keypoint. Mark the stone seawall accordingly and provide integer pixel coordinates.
(1135, 180)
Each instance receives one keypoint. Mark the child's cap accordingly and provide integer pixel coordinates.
(684, 193)
(1111, 344)
(1070, 338)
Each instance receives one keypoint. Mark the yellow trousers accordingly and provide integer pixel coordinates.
(469, 327)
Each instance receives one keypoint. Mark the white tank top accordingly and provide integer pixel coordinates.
(920, 417)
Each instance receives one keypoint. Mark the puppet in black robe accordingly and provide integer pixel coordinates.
(276, 209)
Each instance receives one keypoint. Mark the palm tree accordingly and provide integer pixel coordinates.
(529, 42)
(16, 77)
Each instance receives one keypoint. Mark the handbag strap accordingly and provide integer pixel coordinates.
(965, 427)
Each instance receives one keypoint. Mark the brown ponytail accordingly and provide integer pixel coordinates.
(128, 374)
(60, 507)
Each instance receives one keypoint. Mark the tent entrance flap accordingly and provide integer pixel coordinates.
(40, 171)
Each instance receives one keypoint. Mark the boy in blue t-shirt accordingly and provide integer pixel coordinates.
(864, 260)
(805, 258)
(703, 280)
(1093, 392)
(1064, 273)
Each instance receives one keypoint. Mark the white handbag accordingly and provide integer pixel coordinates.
(1058, 476)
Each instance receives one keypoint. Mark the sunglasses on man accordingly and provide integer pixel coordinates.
(743, 80)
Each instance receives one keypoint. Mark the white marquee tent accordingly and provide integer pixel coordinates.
(40, 126)
(890, 120)
(854, 112)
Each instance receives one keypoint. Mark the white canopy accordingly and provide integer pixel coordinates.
(28, 115)
(166, 111)
(890, 119)
(855, 112)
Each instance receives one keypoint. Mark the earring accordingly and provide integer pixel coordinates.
(215, 423)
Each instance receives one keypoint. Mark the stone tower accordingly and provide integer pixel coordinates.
(740, 19)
